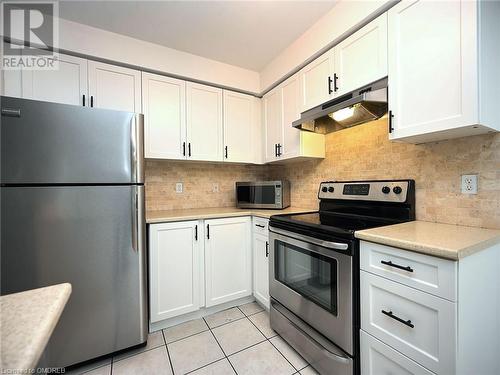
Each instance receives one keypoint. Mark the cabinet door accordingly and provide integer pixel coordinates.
(315, 80)
(290, 94)
(66, 85)
(362, 58)
(261, 268)
(228, 257)
(176, 271)
(204, 122)
(239, 127)
(431, 66)
(164, 102)
(114, 87)
(378, 358)
(272, 123)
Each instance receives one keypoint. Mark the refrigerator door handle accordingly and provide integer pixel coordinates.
(136, 148)
(135, 221)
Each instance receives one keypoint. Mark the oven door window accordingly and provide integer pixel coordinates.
(312, 275)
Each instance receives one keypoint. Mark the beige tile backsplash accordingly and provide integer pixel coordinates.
(362, 152)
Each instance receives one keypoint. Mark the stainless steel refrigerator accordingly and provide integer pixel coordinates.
(72, 210)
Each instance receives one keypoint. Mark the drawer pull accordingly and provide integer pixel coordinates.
(389, 263)
(405, 322)
(260, 225)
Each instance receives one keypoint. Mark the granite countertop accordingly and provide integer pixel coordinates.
(442, 240)
(27, 321)
(213, 213)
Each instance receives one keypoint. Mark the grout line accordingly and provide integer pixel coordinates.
(194, 334)
(208, 364)
(279, 351)
(168, 353)
(231, 321)
(133, 355)
(220, 346)
(249, 314)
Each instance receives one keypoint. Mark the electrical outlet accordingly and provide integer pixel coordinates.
(178, 187)
(215, 187)
(469, 184)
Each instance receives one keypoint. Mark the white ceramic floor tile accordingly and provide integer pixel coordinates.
(151, 362)
(155, 340)
(261, 359)
(104, 370)
(261, 320)
(223, 317)
(194, 352)
(221, 367)
(308, 371)
(237, 335)
(89, 366)
(251, 308)
(289, 353)
(184, 330)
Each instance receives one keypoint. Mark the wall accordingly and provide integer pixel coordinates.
(364, 152)
(343, 19)
(198, 178)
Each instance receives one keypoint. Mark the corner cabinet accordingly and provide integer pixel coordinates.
(228, 259)
(175, 269)
(443, 69)
(281, 106)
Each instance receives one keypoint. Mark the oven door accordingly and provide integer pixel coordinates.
(313, 279)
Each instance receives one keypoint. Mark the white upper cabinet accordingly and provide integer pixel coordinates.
(66, 85)
(317, 81)
(204, 122)
(290, 96)
(241, 130)
(228, 260)
(362, 58)
(114, 87)
(164, 102)
(176, 269)
(443, 69)
(272, 108)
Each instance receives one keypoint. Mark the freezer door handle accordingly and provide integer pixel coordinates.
(136, 148)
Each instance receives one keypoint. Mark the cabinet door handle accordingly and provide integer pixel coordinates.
(225, 150)
(329, 85)
(405, 322)
(208, 231)
(279, 149)
(260, 225)
(335, 79)
(390, 264)
(267, 249)
(183, 148)
(189, 149)
(391, 129)
(196, 232)
(91, 100)
(84, 100)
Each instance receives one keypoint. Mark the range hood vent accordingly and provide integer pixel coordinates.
(365, 104)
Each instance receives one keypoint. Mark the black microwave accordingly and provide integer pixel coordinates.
(263, 194)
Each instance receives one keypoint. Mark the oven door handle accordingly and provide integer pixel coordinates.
(316, 241)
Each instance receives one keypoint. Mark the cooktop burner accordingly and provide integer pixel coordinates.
(346, 207)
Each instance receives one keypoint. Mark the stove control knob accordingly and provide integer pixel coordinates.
(397, 190)
(330, 189)
(324, 189)
(386, 190)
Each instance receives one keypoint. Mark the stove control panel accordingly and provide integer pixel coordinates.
(383, 191)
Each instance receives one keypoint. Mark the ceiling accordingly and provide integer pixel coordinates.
(248, 34)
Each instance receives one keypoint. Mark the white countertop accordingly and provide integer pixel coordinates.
(442, 240)
(27, 321)
(213, 213)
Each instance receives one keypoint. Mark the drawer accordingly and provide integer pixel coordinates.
(260, 225)
(378, 358)
(432, 275)
(417, 324)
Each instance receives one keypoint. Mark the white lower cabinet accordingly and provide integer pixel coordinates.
(380, 359)
(175, 269)
(228, 259)
(261, 261)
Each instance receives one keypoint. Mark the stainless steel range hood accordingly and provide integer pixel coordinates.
(365, 104)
